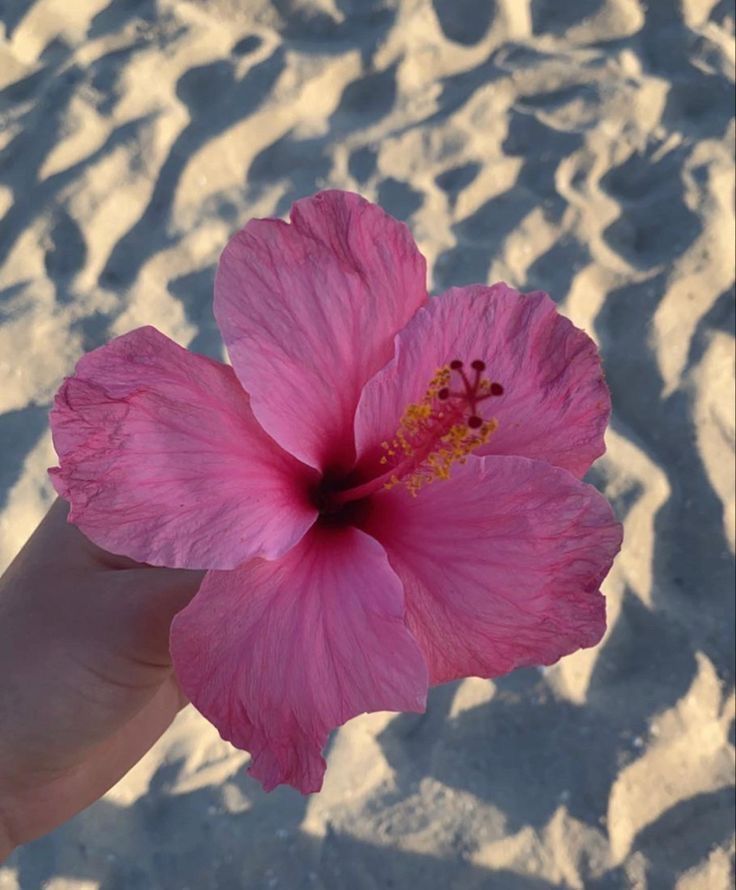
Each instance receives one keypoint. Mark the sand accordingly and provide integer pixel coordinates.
(579, 146)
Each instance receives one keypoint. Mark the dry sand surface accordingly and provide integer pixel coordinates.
(579, 146)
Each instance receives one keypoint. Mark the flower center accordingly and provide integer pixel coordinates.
(435, 433)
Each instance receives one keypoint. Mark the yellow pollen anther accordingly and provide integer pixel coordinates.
(441, 430)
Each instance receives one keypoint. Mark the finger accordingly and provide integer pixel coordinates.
(70, 589)
(56, 542)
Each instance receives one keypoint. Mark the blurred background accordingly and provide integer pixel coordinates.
(579, 146)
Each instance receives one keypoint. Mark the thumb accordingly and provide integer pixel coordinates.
(70, 589)
(143, 602)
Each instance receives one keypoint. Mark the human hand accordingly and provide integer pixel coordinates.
(86, 683)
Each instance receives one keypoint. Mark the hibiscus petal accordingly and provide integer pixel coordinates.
(501, 564)
(276, 654)
(163, 461)
(555, 405)
(308, 311)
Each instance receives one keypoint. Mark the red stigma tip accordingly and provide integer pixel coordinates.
(444, 393)
(456, 364)
(496, 389)
(478, 365)
(474, 422)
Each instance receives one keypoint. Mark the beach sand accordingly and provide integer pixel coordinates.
(581, 146)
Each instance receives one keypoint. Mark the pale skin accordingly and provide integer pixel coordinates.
(86, 683)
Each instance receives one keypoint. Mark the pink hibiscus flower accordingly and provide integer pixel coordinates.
(385, 488)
